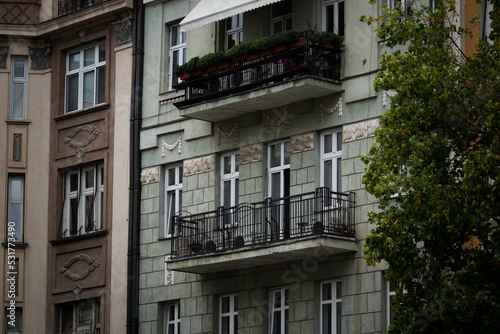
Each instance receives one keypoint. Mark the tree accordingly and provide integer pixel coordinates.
(435, 167)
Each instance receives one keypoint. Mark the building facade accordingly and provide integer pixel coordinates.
(66, 90)
(253, 212)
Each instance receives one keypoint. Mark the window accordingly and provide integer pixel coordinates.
(279, 309)
(228, 314)
(394, 4)
(281, 16)
(234, 30)
(172, 319)
(178, 51)
(486, 9)
(84, 196)
(279, 187)
(331, 160)
(390, 293)
(333, 16)
(86, 77)
(230, 175)
(15, 209)
(331, 307)
(18, 87)
(13, 320)
(173, 197)
(81, 317)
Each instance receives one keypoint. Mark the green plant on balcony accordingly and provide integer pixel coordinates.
(284, 38)
(211, 59)
(187, 67)
(326, 38)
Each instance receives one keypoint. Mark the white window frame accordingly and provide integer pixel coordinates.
(80, 194)
(15, 200)
(95, 315)
(336, 305)
(335, 157)
(233, 176)
(236, 29)
(81, 71)
(176, 190)
(281, 170)
(232, 314)
(176, 321)
(282, 308)
(15, 81)
(181, 48)
(327, 5)
(390, 293)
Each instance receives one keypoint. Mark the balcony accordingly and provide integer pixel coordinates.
(268, 81)
(297, 227)
(71, 6)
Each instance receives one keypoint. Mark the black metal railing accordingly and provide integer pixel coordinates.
(70, 6)
(308, 59)
(321, 212)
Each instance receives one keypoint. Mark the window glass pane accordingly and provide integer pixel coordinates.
(180, 175)
(275, 155)
(88, 89)
(235, 303)
(89, 178)
(19, 68)
(277, 322)
(288, 152)
(225, 304)
(277, 27)
(227, 165)
(171, 312)
(171, 176)
(101, 85)
(339, 290)
(339, 317)
(329, 14)
(74, 61)
(237, 163)
(89, 56)
(231, 40)
(276, 185)
(225, 325)
(73, 182)
(277, 298)
(227, 194)
(183, 37)
(66, 319)
(327, 318)
(340, 27)
(89, 213)
(339, 175)
(85, 315)
(73, 216)
(102, 52)
(16, 188)
(288, 24)
(327, 174)
(236, 192)
(327, 147)
(18, 100)
(287, 294)
(339, 141)
(72, 91)
(175, 35)
(326, 291)
(240, 37)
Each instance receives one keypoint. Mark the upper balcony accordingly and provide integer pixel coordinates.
(263, 80)
(314, 224)
(70, 6)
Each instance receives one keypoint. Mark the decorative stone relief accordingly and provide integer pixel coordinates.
(171, 147)
(149, 175)
(4, 50)
(200, 165)
(385, 94)
(78, 277)
(360, 130)
(40, 57)
(227, 134)
(284, 119)
(169, 274)
(70, 142)
(77, 290)
(303, 143)
(250, 154)
(123, 29)
(322, 109)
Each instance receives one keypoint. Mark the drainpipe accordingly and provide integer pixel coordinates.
(135, 170)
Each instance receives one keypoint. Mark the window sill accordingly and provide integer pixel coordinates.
(18, 245)
(77, 113)
(18, 121)
(79, 237)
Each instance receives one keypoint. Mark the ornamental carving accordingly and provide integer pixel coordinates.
(70, 142)
(322, 109)
(250, 154)
(303, 143)
(75, 276)
(198, 166)
(149, 175)
(227, 134)
(171, 147)
(4, 50)
(123, 31)
(387, 93)
(40, 57)
(284, 119)
(360, 130)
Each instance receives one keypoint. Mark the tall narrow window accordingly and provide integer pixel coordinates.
(281, 16)
(391, 292)
(230, 176)
(15, 209)
(234, 30)
(279, 309)
(178, 49)
(86, 77)
(228, 314)
(486, 9)
(173, 197)
(333, 16)
(279, 188)
(13, 320)
(83, 206)
(18, 88)
(81, 317)
(331, 307)
(331, 160)
(172, 319)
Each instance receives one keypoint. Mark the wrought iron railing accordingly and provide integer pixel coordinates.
(70, 6)
(321, 212)
(308, 59)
